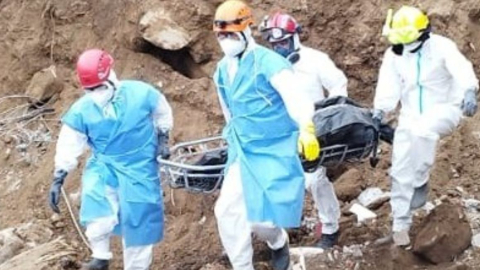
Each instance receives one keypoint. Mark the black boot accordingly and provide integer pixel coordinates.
(281, 258)
(327, 241)
(95, 264)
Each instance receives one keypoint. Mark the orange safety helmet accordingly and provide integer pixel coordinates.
(232, 16)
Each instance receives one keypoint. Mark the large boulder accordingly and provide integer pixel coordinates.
(443, 235)
(159, 28)
(349, 185)
(44, 85)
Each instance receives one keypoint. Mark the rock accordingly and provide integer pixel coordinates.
(39, 257)
(44, 85)
(306, 251)
(444, 234)
(373, 198)
(10, 244)
(34, 233)
(158, 28)
(8, 153)
(362, 213)
(60, 225)
(202, 220)
(349, 185)
(354, 250)
(458, 266)
(428, 207)
(21, 147)
(476, 241)
(472, 204)
(7, 139)
(55, 218)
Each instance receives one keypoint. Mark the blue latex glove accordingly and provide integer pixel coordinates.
(469, 104)
(55, 190)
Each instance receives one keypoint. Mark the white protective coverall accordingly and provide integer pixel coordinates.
(316, 72)
(230, 210)
(430, 85)
(71, 144)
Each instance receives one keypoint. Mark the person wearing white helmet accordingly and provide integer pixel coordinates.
(263, 189)
(314, 73)
(126, 125)
(433, 82)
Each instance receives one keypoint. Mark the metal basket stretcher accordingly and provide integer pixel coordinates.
(182, 172)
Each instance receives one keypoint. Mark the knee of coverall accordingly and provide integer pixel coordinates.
(402, 145)
(104, 225)
(438, 122)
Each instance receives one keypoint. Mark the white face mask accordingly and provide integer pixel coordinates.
(102, 95)
(231, 47)
(412, 46)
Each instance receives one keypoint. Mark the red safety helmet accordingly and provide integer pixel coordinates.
(93, 67)
(280, 26)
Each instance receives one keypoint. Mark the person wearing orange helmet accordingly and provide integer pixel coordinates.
(268, 123)
(434, 83)
(315, 72)
(126, 125)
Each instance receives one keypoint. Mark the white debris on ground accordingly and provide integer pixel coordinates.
(363, 214)
(309, 222)
(372, 196)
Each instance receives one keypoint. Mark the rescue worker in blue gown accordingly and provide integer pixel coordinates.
(126, 125)
(434, 83)
(267, 125)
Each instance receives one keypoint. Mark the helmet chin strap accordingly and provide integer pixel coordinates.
(246, 35)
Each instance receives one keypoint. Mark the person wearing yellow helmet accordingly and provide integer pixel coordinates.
(433, 82)
(263, 189)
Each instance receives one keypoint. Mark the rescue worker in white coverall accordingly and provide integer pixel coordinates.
(267, 123)
(434, 83)
(314, 73)
(126, 125)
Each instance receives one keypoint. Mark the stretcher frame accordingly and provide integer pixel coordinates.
(180, 174)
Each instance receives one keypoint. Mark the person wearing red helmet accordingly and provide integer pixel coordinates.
(126, 125)
(315, 72)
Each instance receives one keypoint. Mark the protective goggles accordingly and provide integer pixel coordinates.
(276, 33)
(102, 86)
(224, 35)
(222, 24)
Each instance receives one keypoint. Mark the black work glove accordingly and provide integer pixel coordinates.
(163, 151)
(469, 104)
(55, 189)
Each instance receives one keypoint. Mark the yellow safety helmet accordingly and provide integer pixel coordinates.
(232, 16)
(405, 26)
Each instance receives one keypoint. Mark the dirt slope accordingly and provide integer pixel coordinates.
(37, 34)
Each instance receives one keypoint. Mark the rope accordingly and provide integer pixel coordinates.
(74, 220)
